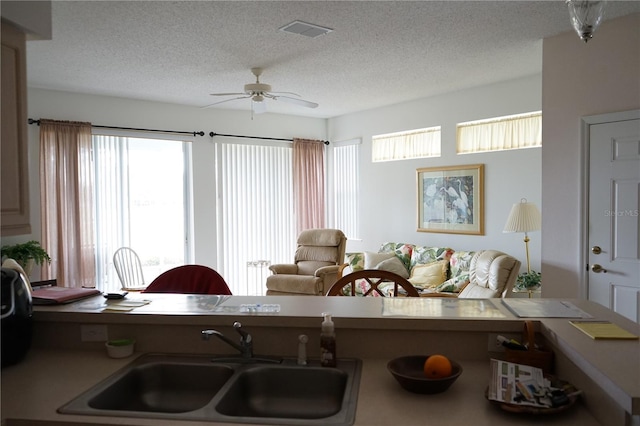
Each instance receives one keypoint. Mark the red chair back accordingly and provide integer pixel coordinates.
(189, 279)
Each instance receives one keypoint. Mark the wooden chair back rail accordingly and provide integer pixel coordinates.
(374, 278)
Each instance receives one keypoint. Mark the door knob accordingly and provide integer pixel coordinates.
(596, 250)
(597, 268)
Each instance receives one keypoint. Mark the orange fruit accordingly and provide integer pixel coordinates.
(437, 367)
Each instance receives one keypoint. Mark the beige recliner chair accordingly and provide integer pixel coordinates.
(318, 257)
(491, 274)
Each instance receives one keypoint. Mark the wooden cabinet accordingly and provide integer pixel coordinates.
(14, 162)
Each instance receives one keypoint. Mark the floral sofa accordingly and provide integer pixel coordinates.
(442, 271)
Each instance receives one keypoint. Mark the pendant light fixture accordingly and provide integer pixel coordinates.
(586, 16)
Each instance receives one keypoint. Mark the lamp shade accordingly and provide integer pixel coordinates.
(524, 217)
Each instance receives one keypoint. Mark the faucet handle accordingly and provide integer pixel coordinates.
(246, 337)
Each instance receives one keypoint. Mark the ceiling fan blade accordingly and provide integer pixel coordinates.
(226, 100)
(297, 101)
(227, 94)
(284, 93)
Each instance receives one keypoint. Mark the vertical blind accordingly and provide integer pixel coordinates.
(345, 189)
(256, 223)
(111, 155)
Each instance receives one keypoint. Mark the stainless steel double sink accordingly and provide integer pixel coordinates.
(186, 387)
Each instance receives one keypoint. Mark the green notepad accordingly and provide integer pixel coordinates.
(602, 330)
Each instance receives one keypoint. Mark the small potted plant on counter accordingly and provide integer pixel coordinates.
(528, 281)
(26, 254)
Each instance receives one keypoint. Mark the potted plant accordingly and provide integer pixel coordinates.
(26, 254)
(528, 281)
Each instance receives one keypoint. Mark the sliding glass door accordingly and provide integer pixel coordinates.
(141, 201)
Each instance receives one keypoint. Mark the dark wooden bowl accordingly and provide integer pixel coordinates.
(409, 372)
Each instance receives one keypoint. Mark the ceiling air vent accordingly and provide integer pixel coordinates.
(308, 30)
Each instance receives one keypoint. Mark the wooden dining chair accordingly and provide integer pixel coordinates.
(374, 278)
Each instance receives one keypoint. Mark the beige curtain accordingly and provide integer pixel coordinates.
(413, 144)
(66, 191)
(512, 132)
(308, 183)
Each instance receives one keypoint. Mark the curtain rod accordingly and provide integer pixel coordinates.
(200, 133)
(212, 134)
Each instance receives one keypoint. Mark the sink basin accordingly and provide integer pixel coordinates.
(164, 388)
(184, 387)
(306, 393)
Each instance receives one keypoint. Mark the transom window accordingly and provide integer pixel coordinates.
(501, 133)
(419, 143)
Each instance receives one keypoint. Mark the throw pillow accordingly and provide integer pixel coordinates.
(423, 255)
(372, 259)
(401, 250)
(460, 261)
(429, 275)
(394, 265)
(453, 285)
(355, 261)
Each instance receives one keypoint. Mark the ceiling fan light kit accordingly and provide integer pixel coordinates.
(586, 16)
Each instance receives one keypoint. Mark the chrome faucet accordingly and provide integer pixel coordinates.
(246, 343)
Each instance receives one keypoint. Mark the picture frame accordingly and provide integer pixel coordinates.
(451, 199)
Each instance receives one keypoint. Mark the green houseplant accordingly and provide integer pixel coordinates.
(26, 254)
(528, 281)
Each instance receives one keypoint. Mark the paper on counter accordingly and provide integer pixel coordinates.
(125, 305)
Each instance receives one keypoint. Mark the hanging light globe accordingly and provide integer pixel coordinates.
(586, 16)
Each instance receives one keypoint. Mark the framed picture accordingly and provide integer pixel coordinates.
(450, 199)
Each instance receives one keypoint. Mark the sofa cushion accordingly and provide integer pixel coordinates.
(429, 275)
(320, 237)
(294, 284)
(354, 261)
(371, 260)
(453, 285)
(424, 255)
(401, 250)
(459, 263)
(477, 292)
(394, 265)
(309, 267)
(318, 253)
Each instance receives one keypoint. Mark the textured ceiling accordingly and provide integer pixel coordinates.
(379, 52)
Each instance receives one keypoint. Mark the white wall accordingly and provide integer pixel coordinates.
(580, 79)
(388, 190)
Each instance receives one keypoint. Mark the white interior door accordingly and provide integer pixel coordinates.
(614, 219)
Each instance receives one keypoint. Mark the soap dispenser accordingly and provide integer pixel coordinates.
(327, 342)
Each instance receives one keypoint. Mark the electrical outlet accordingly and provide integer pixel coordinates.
(494, 346)
(93, 333)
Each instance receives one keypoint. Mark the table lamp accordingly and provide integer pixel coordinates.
(524, 217)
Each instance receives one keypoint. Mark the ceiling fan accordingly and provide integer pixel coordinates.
(259, 92)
